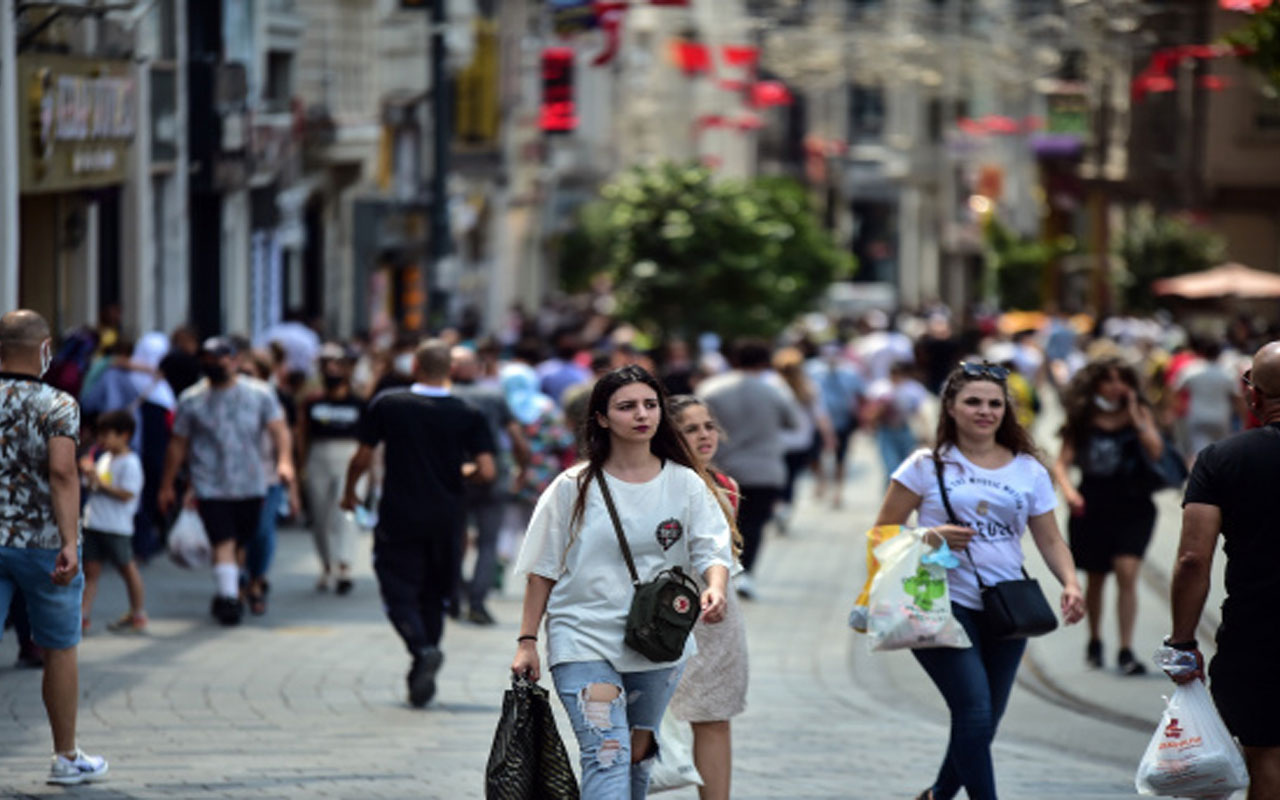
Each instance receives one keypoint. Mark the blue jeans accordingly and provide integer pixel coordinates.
(895, 445)
(976, 683)
(604, 728)
(262, 549)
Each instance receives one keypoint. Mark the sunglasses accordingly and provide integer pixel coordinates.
(984, 370)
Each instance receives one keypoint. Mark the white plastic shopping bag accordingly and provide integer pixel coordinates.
(910, 605)
(674, 768)
(1192, 753)
(188, 542)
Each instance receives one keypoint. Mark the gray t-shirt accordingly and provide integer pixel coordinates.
(31, 413)
(753, 415)
(223, 429)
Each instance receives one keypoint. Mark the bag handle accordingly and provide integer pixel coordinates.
(953, 520)
(617, 527)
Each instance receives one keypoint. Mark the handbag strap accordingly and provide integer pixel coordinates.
(617, 527)
(953, 520)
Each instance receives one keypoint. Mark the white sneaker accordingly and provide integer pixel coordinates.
(80, 769)
(744, 586)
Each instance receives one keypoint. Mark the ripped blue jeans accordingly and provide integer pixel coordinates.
(603, 726)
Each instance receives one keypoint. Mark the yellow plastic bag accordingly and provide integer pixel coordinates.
(875, 537)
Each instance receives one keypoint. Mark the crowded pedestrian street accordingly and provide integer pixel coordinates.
(309, 701)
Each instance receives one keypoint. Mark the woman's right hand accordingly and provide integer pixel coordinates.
(526, 661)
(1075, 502)
(956, 536)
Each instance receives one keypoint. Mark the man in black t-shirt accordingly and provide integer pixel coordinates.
(1234, 491)
(434, 442)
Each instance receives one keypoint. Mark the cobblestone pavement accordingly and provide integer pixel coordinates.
(308, 701)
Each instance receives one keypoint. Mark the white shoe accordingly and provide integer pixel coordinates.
(79, 769)
(744, 586)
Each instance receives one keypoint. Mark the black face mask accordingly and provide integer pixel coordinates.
(333, 381)
(215, 372)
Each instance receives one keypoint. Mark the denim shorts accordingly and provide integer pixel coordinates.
(54, 610)
(604, 728)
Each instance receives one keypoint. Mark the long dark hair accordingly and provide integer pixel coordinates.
(667, 443)
(1010, 434)
(1078, 398)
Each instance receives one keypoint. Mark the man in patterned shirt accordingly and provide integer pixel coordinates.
(218, 430)
(39, 525)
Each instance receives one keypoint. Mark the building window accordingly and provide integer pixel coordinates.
(866, 113)
(278, 90)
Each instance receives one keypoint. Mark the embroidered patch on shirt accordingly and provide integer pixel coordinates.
(669, 532)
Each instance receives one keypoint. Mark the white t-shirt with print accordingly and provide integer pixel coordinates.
(108, 514)
(587, 609)
(994, 502)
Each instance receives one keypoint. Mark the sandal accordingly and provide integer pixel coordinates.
(257, 602)
(927, 794)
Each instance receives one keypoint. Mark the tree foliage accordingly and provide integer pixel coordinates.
(688, 253)
(1261, 35)
(1017, 264)
(1161, 246)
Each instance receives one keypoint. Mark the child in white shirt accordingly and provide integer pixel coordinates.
(114, 483)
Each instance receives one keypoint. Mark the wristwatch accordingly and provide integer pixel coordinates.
(1187, 646)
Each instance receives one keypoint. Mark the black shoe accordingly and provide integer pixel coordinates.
(422, 676)
(30, 656)
(344, 586)
(228, 610)
(1130, 665)
(479, 616)
(1093, 654)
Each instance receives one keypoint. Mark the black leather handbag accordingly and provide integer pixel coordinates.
(528, 760)
(1014, 609)
(664, 610)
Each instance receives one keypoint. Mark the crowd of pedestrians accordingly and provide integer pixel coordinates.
(472, 461)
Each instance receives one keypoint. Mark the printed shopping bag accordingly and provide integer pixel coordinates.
(875, 537)
(188, 543)
(1191, 753)
(527, 760)
(910, 605)
(674, 768)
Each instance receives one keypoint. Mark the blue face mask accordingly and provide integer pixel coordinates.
(1104, 404)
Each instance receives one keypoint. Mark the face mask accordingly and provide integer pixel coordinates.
(333, 381)
(46, 357)
(216, 373)
(404, 363)
(1104, 404)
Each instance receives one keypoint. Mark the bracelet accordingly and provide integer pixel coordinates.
(527, 637)
(1187, 646)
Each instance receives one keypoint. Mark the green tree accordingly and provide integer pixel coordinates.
(689, 253)
(1261, 35)
(1017, 265)
(1161, 246)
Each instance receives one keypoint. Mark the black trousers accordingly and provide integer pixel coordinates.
(754, 512)
(417, 571)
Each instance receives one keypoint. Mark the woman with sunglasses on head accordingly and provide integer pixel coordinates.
(714, 686)
(1110, 434)
(997, 488)
(578, 579)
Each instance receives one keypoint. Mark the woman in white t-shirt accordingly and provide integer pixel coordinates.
(578, 579)
(997, 488)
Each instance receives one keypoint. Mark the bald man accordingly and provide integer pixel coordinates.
(1233, 491)
(39, 525)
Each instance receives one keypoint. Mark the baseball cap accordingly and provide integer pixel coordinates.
(217, 346)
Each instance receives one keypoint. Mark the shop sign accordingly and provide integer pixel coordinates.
(79, 117)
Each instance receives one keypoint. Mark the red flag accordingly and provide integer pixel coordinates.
(740, 55)
(691, 56)
(770, 93)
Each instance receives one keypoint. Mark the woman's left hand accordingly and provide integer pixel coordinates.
(713, 605)
(1072, 604)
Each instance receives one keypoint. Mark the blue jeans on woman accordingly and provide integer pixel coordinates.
(262, 549)
(976, 683)
(604, 728)
(896, 443)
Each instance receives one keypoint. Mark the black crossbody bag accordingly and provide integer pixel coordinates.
(664, 610)
(1013, 609)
